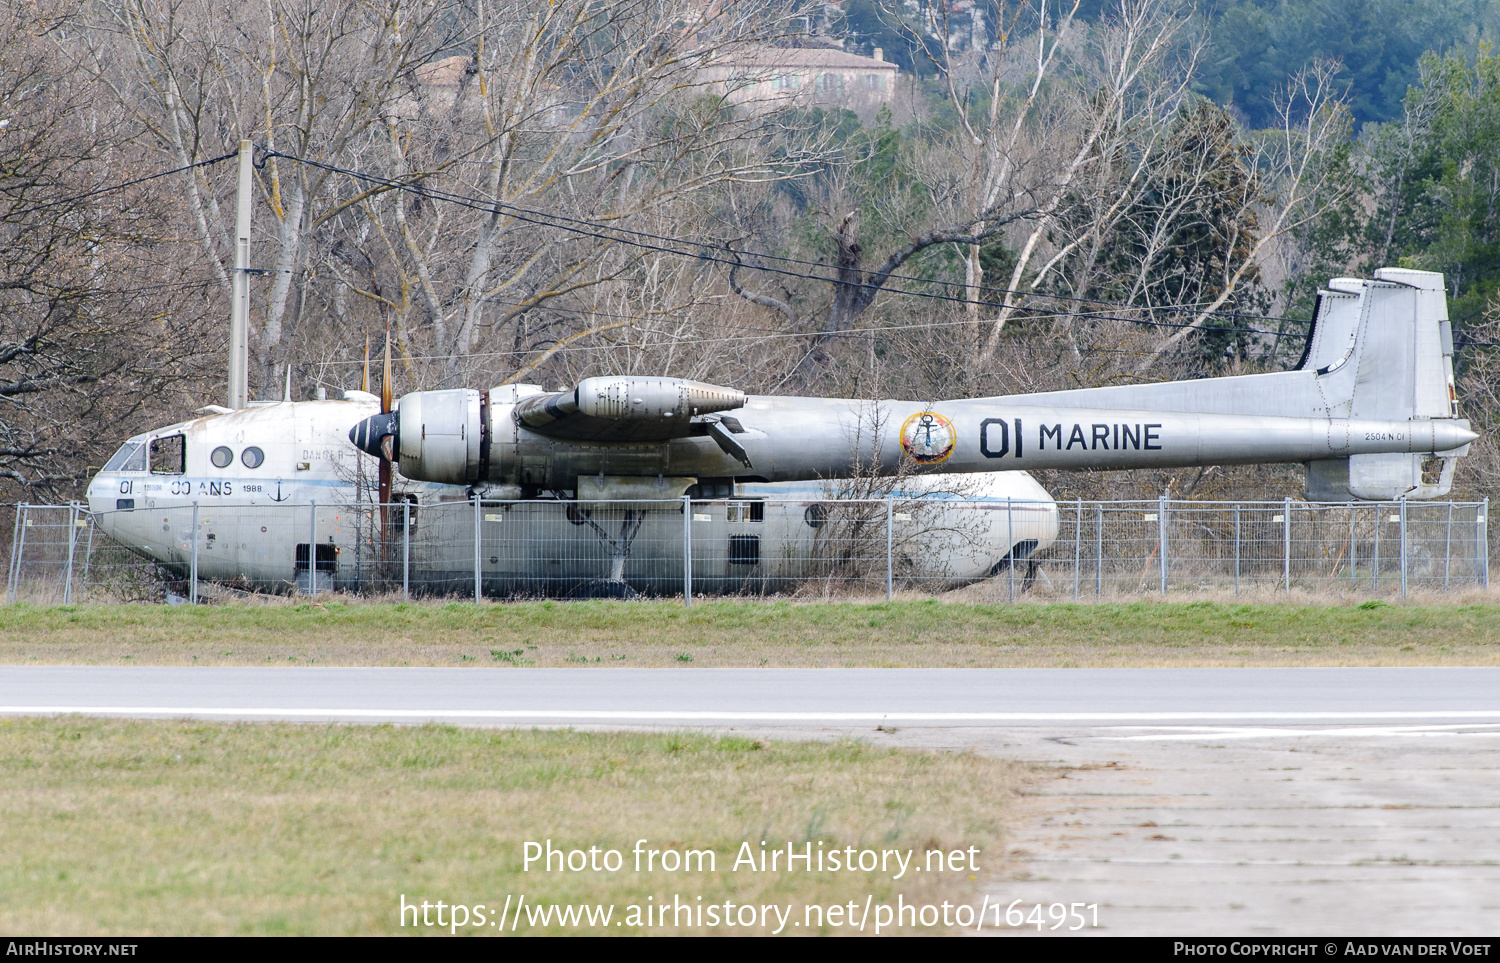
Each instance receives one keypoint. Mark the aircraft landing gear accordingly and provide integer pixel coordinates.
(615, 586)
(1014, 558)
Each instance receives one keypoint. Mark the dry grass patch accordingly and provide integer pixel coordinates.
(1453, 631)
(158, 827)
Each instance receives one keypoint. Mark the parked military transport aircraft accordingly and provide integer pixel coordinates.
(1370, 410)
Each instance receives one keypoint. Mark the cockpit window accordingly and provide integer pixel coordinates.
(130, 457)
(168, 455)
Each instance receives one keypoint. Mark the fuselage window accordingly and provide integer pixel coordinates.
(131, 457)
(252, 457)
(221, 457)
(169, 455)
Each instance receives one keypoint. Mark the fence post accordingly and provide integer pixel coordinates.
(1353, 545)
(1236, 548)
(1375, 549)
(889, 514)
(18, 550)
(687, 549)
(1010, 537)
(1484, 543)
(1448, 546)
(88, 556)
(478, 542)
(193, 569)
(72, 547)
(312, 551)
(1077, 546)
(405, 551)
(1403, 547)
(1161, 537)
(1286, 544)
(1098, 549)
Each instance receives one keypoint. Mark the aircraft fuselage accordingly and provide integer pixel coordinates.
(256, 488)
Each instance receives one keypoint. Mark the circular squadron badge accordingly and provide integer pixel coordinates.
(928, 438)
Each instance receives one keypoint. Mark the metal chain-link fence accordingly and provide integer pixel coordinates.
(1124, 548)
(830, 547)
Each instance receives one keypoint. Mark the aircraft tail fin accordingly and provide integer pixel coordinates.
(1382, 350)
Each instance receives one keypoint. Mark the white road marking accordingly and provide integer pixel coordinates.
(1258, 732)
(681, 715)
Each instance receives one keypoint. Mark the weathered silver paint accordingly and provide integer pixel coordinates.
(251, 520)
(799, 439)
(1371, 410)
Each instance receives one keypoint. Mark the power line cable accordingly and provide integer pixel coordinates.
(562, 221)
(73, 296)
(501, 206)
(1034, 313)
(117, 187)
(593, 230)
(765, 335)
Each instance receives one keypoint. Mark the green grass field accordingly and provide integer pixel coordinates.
(171, 827)
(723, 633)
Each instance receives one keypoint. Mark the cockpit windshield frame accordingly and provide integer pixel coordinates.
(130, 457)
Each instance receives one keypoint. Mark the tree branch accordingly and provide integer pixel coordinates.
(760, 299)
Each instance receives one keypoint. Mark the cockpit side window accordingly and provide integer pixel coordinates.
(130, 457)
(169, 455)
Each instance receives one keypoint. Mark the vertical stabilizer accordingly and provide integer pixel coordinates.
(1383, 350)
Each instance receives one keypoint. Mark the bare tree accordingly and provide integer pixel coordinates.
(303, 78)
(515, 156)
(93, 327)
(1110, 124)
(1035, 114)
(587, 136)
(1314, 121)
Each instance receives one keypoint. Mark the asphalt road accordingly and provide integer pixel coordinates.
(1231, 802)
(911, 697)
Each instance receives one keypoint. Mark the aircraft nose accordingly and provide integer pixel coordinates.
(368, 434)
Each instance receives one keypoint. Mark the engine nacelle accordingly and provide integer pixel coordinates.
(442, 436)
(545, 439)
(629, 397)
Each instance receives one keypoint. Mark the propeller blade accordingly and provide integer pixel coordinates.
(385, 384)
(385, 509)
(386, 442)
